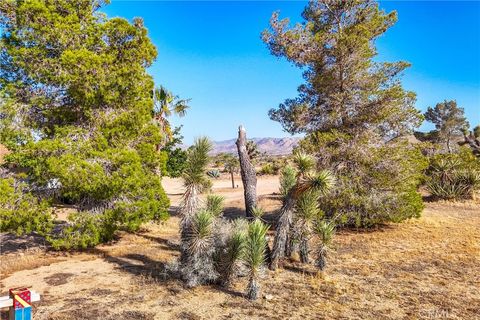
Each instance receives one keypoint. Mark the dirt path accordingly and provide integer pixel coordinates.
(427, 268)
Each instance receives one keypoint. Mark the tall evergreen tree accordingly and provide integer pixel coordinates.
(353, 109)
(80, 84)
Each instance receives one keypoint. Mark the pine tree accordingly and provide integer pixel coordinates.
(79, 82)
(353, 109)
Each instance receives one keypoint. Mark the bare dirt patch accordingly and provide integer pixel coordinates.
(422, 269)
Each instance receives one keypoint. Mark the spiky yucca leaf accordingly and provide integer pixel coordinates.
(321, 182)
(254, 255)
(288, 178)
(215, 204)
(229, 258)
(196, 164)
(200, 235)
(325, 231)
(257, 213)
(307, 207)
(303, 162)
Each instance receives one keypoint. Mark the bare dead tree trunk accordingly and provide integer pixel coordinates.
(247, 170)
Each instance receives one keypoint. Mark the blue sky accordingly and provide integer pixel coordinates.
(212, 53)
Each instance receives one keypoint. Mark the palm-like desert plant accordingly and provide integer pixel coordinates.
(195, 180)
(254, 256)
(257, 213)
(215, 204)
(303, 162)
(288, 178)
(319, 183)
(307, 209)
(165, 103)
(198, 266)
(325, 231)
(231, 252)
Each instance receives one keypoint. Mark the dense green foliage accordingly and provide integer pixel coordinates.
(353, 110)
(21, 212)
(79, 88)
(176, 156)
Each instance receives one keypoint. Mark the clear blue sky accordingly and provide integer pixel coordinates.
(212, 53)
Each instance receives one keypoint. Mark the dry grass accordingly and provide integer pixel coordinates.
(422, 269)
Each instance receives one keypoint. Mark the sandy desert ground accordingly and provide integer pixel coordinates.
(427, 268)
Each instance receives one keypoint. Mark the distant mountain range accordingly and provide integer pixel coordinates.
(271, 146)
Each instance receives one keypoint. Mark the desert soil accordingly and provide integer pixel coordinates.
(427, 268)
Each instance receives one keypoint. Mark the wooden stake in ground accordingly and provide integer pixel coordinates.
(247, 170)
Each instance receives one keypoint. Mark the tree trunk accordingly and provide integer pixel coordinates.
(282, 229)
(247, 170)
(233, 180)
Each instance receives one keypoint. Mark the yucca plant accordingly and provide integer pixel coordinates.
(215, 204)
(228, 259)
(324, 231)
(195, 182)
(288, 178)
(307, 209)
(303, 162)
(198, 265)
(257, 213)
(319, 183)
(254, 256)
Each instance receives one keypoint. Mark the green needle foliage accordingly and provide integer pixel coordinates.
(254, 256)
(215, 204)
(79, 85)
(325, 231)
(21, 212)
(353, 110)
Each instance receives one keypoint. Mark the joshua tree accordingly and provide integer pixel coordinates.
(320, 183)
(231, 165)
(288, 178)
(252, 150)
(215, 204)
(229, 257)
(254, 256)
(325, 231)
(307, 210)
(195, 182)
(472, 139)
(198, 265)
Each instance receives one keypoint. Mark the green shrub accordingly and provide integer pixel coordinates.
(21, 212)
(267, 169)
(454, 176)
(84, 230)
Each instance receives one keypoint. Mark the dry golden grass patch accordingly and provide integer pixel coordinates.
(422, 269)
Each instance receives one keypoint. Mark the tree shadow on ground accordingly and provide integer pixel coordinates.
(165, 243)
(11, 243)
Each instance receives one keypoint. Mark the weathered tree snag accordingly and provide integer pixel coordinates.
(247, 170)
